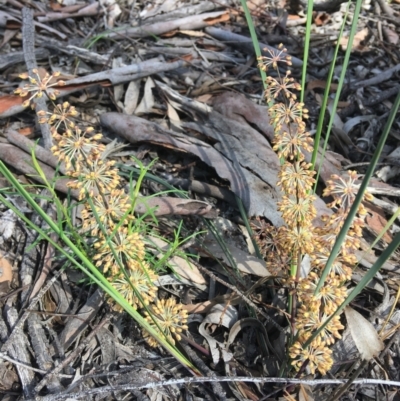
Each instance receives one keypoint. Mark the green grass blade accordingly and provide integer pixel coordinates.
(324, 104)
(307, 38)
(254, 38)
(353, 211)
(386, 254)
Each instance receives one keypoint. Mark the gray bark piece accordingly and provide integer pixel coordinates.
(41, 348)
(28, 264)
(75, 327)
(107, 346)
(3, 330)
(11, 59)
(258, 197)
(19, 351)
(192, 22)
(253, 160)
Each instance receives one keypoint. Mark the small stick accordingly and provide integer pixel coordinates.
(28, 41)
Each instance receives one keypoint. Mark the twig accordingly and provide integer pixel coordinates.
(189, 380)
(377, 79)
(205, 189)
(23, 365)
(28, 41)
(218, 390)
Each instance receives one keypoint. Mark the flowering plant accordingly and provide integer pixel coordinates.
(300, 237)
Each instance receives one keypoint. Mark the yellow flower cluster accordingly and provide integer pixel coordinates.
(39, 86)
(299, 237)
(167, 317)
(107, 215)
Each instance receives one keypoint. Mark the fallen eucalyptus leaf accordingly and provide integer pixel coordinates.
(364, 334)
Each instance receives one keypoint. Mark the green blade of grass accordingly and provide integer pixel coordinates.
(386, 254)
(307, 38)
(353, 211)
(254, 38)
(324, 104)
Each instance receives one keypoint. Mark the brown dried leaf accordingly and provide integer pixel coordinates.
(357, 42)
(5, 274)
(364, 334)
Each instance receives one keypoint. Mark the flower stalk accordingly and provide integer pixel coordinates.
(300, 239)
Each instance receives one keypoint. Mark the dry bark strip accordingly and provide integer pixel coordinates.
(77, 11)
(12, 104)
(19, 350)
(28, 146)
(258, 197)
(192, 22)
(57, 47)
(10, 59)
(230, 126)
(245, 43)
(22, 162)
(28, 41)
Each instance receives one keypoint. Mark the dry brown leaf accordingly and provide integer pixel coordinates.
(321, 18)
(132, 97)
(5, 269)
(364, 334)
(180, 265)
(147, 102)
(358, 38)
(376, 221)
(196, 34)
(390, 35)
(204, 98)
(5, 274)
(27, 131)
(320, 84)
(173, 115)
(217, 20)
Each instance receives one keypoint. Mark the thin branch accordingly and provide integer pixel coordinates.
(190, 380)
(14, 362)
(28, 41)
